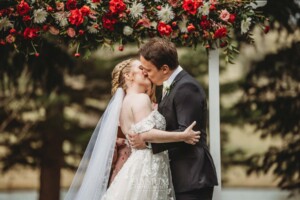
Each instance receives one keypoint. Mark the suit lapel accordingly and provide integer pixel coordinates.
(163, 102)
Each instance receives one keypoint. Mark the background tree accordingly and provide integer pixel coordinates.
(39, 97)
(271, 100)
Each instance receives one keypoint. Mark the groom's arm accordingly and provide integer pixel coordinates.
(189, 103)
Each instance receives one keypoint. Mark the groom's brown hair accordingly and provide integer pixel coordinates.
(160, 52)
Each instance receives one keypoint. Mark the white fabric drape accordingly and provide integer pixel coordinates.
(91, 179)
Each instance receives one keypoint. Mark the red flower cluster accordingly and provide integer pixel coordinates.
(76, 17)
(117, 6)
(23, 8)
(30, 33)
(204, 23)
(164, 29)
(191, 28)
(232, 18)
(71, 4)
(191, 6)
(220, 32)
(85, 10)
(108, 21)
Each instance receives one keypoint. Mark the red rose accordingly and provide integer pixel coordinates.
(45, 27)
(26, 18)
(2, 42)
(164, 29)
(117, 6)
(204, 23)
(191, 28)
(71, 4)
(191, 6)
(223, 44)
(85, 10)
(108, 22)
(221, 32)
(30, 33)
(81, 32)
(49, 8)
(267, 29)
(12, 31)
(232, 18)
(23, 8)
(96, 1)
(212, 7)
(76, 17)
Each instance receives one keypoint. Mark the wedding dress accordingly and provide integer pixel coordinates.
(145, 175)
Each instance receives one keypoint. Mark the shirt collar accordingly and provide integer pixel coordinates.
(170, 80)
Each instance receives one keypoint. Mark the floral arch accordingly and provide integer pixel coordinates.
(86, 24)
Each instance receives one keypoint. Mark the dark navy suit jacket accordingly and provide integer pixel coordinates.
(192, 166)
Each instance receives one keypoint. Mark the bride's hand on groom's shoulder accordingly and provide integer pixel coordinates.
(191, 136)
(136, 141)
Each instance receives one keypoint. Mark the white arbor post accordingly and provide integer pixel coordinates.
(214, 116)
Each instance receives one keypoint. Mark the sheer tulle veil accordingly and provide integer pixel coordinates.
(91, 179)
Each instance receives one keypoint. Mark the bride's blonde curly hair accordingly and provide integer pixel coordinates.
(118, 75)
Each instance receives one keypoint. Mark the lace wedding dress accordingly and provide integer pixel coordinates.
(144, 175)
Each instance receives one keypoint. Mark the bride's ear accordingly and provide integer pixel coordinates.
(128, 76)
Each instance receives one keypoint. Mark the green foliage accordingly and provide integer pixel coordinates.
(272, 103)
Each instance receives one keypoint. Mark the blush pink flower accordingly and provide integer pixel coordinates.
(10, 38)
(224, 15)
(71, 32)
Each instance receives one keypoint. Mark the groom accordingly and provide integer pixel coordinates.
(183, 101)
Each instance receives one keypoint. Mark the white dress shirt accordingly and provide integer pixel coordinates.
(169, 81)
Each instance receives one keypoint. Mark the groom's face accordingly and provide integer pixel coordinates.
(150, 70)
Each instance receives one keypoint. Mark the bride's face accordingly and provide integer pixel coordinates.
(138, 76)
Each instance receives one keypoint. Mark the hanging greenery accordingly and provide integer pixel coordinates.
(86, 24)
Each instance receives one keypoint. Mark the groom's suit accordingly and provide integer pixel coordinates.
(192, 166)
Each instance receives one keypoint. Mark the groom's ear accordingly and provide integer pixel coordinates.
(165, 69)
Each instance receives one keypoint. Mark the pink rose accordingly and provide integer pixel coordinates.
(10, 38)
(225, 15)
(173, 3)
(71, 32)
(144, 22)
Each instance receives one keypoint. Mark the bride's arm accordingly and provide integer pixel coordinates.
(158, 136)
(141, 108)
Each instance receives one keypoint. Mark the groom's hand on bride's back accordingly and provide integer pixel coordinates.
(136, 141)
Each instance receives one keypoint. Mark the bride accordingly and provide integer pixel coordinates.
(144, 175)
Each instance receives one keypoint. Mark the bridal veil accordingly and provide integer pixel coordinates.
(91, 179)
